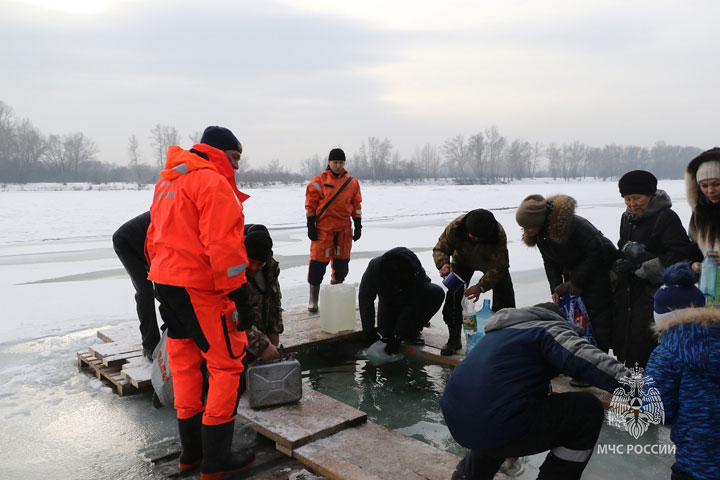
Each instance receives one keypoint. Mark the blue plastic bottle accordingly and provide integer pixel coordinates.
(708, 276)
(481, 318)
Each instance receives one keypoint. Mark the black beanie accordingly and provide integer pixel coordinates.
(258, 245)
(220, 138)
(336, 155)
(482, 224)
(638, 182)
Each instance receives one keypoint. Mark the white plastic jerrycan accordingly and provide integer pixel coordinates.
(337, 307)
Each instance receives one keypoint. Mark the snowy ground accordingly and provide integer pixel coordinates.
(60, 281)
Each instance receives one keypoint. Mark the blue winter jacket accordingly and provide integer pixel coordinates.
(685, 367)
(491, 397)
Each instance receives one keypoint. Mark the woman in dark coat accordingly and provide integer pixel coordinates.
(576, 255)
(702, 185)
(651, 239)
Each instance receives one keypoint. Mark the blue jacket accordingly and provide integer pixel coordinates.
(491, 397)
(685, 368)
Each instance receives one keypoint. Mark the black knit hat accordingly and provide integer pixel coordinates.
(258, 245)
(638, 182)
(481, 223)
(336, 155)
(220, 138)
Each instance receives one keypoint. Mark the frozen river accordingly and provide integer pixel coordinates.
(60, 281)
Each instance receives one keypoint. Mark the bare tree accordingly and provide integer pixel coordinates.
(518, 159)
(134, 155)
(427, 160)
(309, 167)
(456, 153)
(476, 145)
(29, 147)
(379, 156)
(161, 137)
(495, 145)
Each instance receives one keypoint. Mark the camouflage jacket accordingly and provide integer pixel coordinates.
(264, 295)
(490, 258)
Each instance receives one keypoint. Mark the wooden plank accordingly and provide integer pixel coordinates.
(121, 358)
(124, 334)
(138, 376)
(314, 416)
(370, 452)
(103, 350)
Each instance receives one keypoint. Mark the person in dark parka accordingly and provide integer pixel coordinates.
(497, 402)
(651, 239)
(406, 298)
(129, 245)
(576, 255)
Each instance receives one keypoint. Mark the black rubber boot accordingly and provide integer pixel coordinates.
(217, 457)
(454, 344)
(191, 440)
(313, 302)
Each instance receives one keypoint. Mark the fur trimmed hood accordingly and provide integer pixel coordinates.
(692, 189)
(704, 317)
(558, 224)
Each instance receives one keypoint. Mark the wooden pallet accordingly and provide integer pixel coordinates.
(111, 373)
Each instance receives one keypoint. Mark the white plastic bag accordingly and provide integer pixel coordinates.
(376, 354)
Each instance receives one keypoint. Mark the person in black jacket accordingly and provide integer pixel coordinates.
(651, 239)
(129, 245)
(407, 299)
(576, 255)
(497, 402)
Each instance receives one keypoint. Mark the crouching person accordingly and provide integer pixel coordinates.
(406, 299)
(497, 402)
(264, 293)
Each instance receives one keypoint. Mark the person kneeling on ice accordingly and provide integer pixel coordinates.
(497, 402)
(407, 299)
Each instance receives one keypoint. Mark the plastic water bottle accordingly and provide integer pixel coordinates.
(483, 315)
(469, 321)
(708, 276)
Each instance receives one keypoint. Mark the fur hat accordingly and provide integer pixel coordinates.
(638, 182)
(532, 212)
(707, 170)
(220, 138)
(482, 224)
(677, 292)
(336, 155)
(258, 245)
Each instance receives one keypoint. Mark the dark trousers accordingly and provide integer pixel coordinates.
(567, 424)
(407, 315)
(598, 298)
(503, 296)
(137, 269)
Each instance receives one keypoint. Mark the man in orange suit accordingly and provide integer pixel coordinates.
(332, 198)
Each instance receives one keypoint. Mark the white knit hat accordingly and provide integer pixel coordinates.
(707, 170)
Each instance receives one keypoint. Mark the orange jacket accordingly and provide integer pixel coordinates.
(196, 237)
(322, 188)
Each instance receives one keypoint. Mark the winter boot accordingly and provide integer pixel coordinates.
(313, 303)
(191, 441)
(454, 344)
(217, 457)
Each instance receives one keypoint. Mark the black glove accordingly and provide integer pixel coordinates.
(392, 346)
(358, 228)
(371, 335)
(245, 311)
(623, 265)
(634, 252)
(312, 229)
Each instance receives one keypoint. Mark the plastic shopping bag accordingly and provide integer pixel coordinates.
(575, 312)
(160, 376)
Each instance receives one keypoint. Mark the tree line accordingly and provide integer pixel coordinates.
(27, 155)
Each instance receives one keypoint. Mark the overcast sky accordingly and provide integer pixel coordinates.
(295, 78)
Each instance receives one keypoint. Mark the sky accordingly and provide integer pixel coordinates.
(294, 78)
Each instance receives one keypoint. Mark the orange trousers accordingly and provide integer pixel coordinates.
(225, 351)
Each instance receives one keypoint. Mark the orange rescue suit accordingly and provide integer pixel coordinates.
(334, 227)
(197, 255)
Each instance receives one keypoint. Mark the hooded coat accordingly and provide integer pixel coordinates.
(685, 368)
(196, 191)
(489, 256)
(491, 397)
(658, 228)
(705, 220)
(574, 251)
